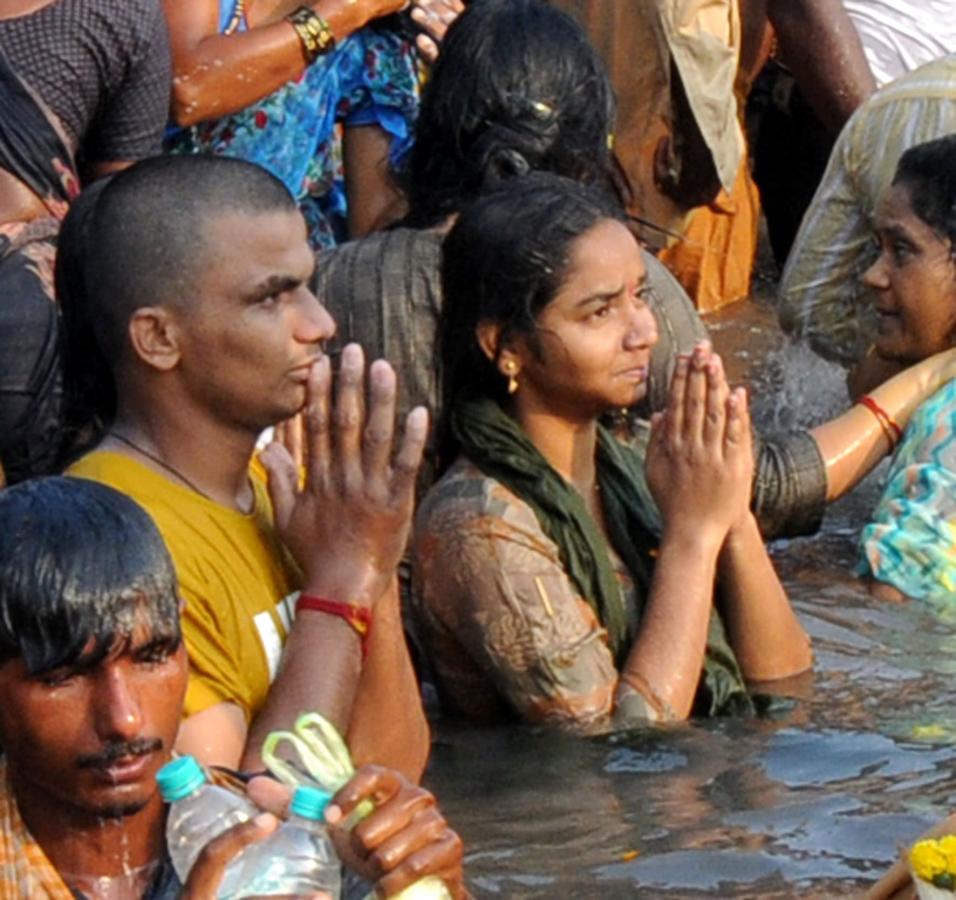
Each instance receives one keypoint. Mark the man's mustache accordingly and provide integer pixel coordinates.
(119, 750)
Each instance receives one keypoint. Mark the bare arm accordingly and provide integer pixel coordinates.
(387, 721)
(216, 74)
(666, 658)
(853, 443)
(767, 638)
(374, 200)
(699, 467)
(320, 669)
(766, 635)
(821, 47)
(347, 526)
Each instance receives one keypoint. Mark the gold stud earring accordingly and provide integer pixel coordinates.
(512, 377)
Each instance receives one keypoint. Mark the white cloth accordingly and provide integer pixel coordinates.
(901, 35)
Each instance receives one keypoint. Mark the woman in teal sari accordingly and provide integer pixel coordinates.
(560, 576)
(908, 550)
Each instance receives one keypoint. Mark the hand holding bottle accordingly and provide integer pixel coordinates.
(405, 838)
(403, 842)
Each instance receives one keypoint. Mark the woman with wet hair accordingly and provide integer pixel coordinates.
(561, 576)
(518, 89)
(908, 547)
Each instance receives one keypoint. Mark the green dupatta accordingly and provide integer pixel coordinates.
(497, 445)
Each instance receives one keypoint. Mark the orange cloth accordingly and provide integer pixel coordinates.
(25, 870)
(714, 258)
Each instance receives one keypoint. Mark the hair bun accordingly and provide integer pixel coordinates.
(503, 163)
(515, 141)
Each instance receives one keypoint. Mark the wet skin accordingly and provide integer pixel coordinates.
(914, 281)
(592, 346)
(258, 321)
(83, 745)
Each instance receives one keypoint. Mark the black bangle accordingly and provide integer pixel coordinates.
(313, 31)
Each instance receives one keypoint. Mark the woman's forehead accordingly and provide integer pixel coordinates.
(895, 215)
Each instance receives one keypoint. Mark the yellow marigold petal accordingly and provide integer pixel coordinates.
(929, 731)
(927, 860)
(947, 846)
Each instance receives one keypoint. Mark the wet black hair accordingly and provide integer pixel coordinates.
(928, 172)
(517, 87)
(135, 240)
(81, 566)
(503, 261)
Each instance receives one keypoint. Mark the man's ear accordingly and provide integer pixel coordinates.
(154, 334)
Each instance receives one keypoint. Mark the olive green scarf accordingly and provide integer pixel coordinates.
(497, 445)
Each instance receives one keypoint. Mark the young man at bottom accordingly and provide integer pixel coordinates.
(92, 677)
(189, 330)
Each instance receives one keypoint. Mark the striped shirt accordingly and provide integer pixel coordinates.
(25, 870)
(821, 298)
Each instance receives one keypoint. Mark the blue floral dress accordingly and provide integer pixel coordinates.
(911, 542)
(372, 77)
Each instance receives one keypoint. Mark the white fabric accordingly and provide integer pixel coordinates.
(901, 35)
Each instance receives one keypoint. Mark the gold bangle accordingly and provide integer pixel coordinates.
(313, 31)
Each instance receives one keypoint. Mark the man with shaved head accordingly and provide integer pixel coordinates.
(190, 328)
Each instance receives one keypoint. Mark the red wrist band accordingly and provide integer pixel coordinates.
(358, 617)
(892, 431)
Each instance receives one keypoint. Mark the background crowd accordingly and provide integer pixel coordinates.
(215, 216)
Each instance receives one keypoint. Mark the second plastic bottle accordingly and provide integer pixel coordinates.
(298, 858)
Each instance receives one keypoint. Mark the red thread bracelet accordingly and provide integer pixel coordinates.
(358, 617)
(890, 428)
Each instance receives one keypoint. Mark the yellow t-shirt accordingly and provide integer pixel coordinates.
(236, 577)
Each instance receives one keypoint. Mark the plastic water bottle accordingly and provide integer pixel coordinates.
(199, 812)
(296, 859)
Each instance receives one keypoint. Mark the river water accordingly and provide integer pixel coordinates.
(815, 804)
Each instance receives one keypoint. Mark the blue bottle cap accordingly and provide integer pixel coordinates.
(179, 778)
(309, 802)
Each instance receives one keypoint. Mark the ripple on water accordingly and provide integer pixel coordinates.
(800, 758)
(624, 759)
